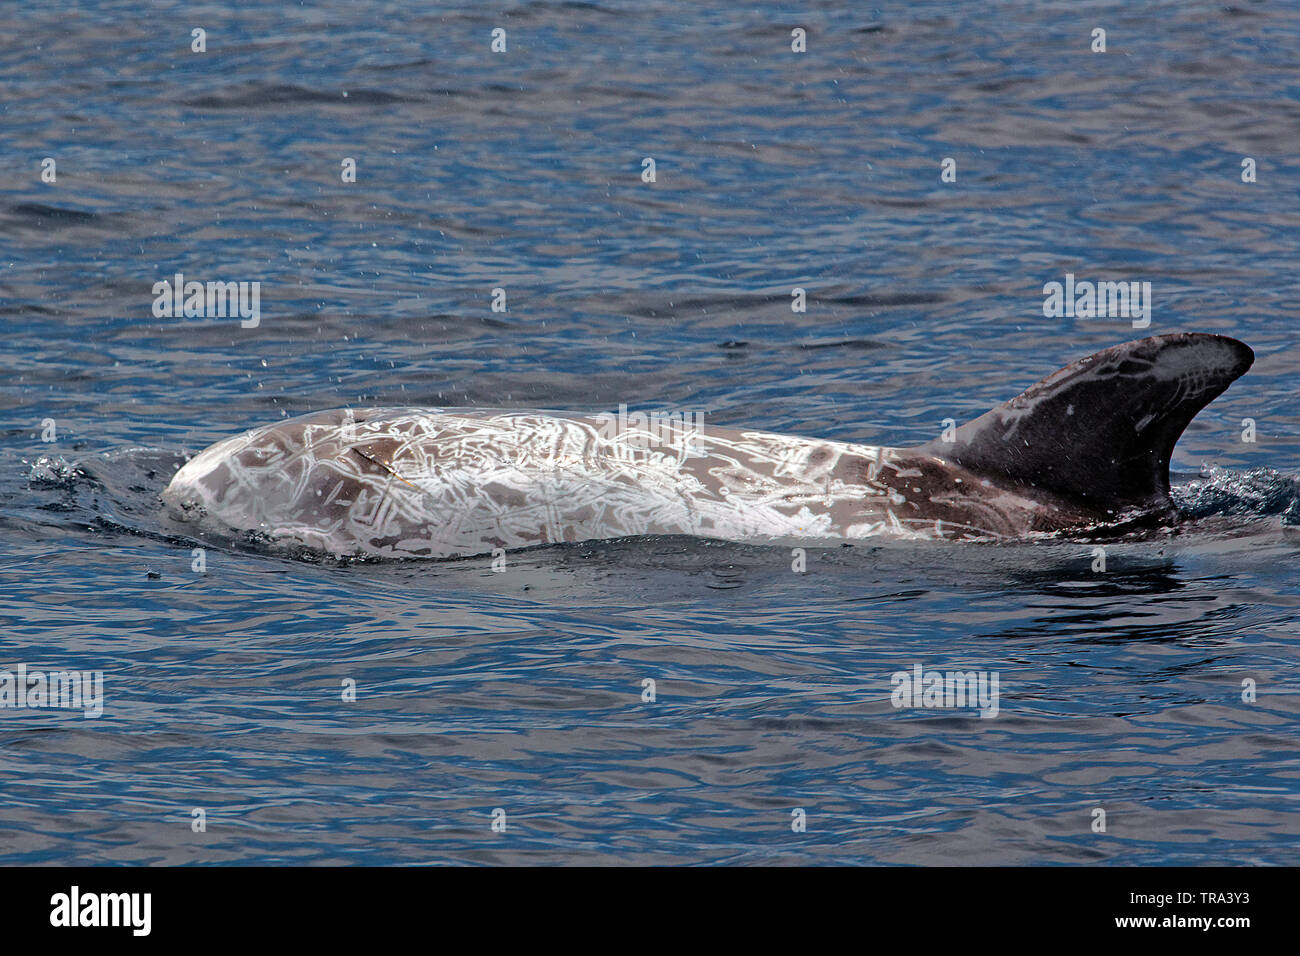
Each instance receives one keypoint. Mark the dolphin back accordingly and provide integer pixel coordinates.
(1100, 432)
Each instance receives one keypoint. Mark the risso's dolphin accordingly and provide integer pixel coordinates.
(1087, 447)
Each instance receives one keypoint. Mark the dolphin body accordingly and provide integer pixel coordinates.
(1086, 447)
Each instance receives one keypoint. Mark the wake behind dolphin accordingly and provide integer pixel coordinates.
(1086, 447)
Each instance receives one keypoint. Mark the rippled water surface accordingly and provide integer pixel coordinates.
(1120, 690)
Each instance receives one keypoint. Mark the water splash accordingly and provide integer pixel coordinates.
(1257, 492)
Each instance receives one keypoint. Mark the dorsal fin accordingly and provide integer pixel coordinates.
(1100, 431)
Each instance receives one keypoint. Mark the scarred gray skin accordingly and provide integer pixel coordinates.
(1085, 447)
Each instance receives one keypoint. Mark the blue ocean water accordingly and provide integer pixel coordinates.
(1125, 691)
